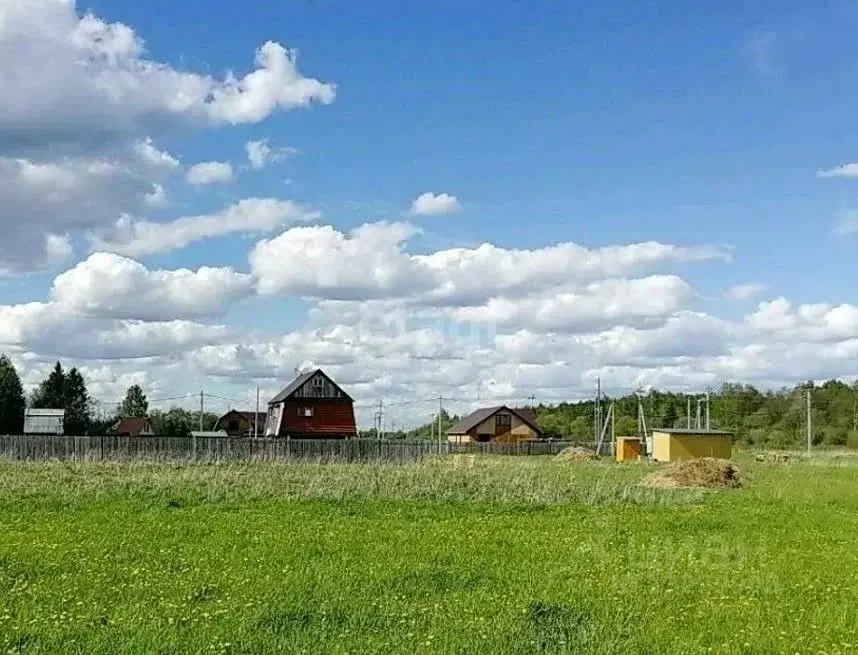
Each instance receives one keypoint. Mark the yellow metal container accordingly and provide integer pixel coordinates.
(674, 445)
(628, 449)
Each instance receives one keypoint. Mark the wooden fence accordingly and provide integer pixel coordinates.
(36, 447)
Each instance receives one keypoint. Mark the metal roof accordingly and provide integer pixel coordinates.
(46, 412)
(692, 431)
(294, 385)
(298, 382)
(475, 418)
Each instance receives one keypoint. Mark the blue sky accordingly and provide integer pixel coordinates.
(605, 125)
(600, 123)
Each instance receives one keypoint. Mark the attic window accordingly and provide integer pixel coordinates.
(504, 419)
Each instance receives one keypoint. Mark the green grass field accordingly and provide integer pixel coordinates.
(513, 556)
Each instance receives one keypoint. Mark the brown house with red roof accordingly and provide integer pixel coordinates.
(133, 426)
(313, 406)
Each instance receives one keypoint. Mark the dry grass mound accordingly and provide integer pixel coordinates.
(575, 454)
(706, 472)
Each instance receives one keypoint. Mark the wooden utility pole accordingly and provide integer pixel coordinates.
(440, 411)
(809, 422)
(609, 418)
(597, 410)
(201, 411)
(853, 415)
(256, 418)
(688, 412)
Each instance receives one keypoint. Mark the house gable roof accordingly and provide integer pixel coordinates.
(475, 418)
(251, 416)
(53, 413)
(132, 425)
(300, 381)
(247, 416)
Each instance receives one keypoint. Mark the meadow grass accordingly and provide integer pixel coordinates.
(514, 555)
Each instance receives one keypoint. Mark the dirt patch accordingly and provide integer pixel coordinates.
(706, 472)
(575, 454)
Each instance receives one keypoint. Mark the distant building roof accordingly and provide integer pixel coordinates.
(475, 418)
(692, 431)
(247, 416)
(258, 416)
(44, 421)
(526, 414)
(293, 386)
(133, 425)
(46, 412)
(299, 382)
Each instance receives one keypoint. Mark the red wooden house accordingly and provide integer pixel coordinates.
(311, 407)
(133, 427)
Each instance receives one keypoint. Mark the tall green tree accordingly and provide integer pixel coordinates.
(12, 402)
(135, 404)
(66, 390)
(50, 393)
(671, 415)
(77, 403)
(178, 422)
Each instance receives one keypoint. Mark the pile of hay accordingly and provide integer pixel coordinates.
(575, 454)
(706, 472)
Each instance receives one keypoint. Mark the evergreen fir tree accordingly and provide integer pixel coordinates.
(12, 403)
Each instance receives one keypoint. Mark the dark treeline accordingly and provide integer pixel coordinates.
(766, 418)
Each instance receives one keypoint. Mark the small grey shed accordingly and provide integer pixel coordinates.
(44, 421)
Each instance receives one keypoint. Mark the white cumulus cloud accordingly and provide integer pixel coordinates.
(431, 204)
(372, 261)
(260, 154)
(72, 73)
(111, 286)
(81, 109)
(746, 291)
(598, 305)
(136, 237)
(209, 172)
(320, 261)
(846, 170)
